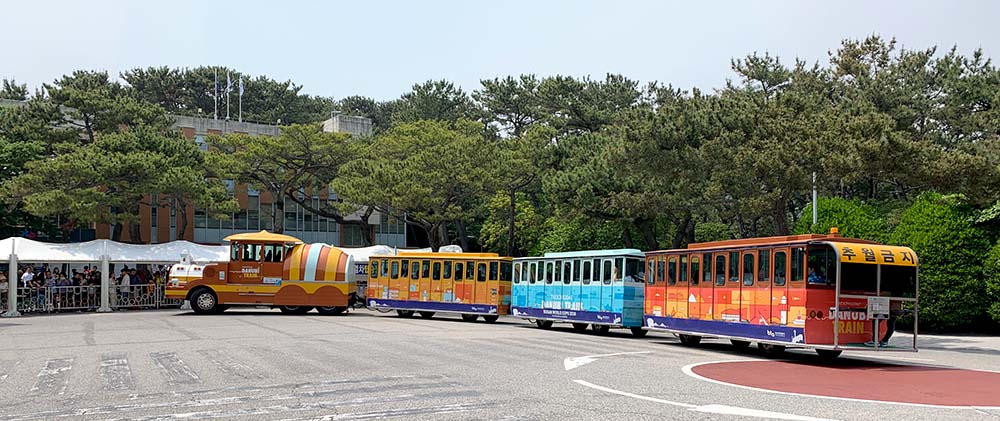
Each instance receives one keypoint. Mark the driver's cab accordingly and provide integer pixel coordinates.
(257, 258)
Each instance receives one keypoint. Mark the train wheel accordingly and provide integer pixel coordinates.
(491, 318)
(404, 313)
(828, 354)
(739, 345)
(295, 309)
(689, 340)
(331, 311)
(771, 349)
(382, 309)
(544, 324)
(204, 302)
(600, 329)
(639, 332)
(426, 314)
(470, 317)
(580, 327)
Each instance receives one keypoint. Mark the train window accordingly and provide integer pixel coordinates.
(823, 262)
(707, 276)
(651, 271)
(557, 272)
(798, 264)
(619, 268)
(695, 270)
(385, 267)
(505, 271)
(780, 268)
(517, 273)
(597, 271)
(531, 272)
(586, 272)
(672, 270)
(426, 272)
(748, 269)
(764, 266)
(607, 272)
(567, 272)
(436, 273)
(683, 270)
(632, 266)
(458, 271)
(576, 270)
(470, 270)
(395, 269)
(447, 269)
(494, 269)
(404, 269)
(272, 252)
(415, 270)
(234, 252)
(251, 252)
(734, 266)
(548, 273)
(481, 272)
(720, 269)
(660, 268)
(373, 272)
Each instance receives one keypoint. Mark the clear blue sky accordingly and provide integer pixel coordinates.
(380, 48)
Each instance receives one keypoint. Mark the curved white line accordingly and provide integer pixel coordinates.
(710, 409)
(688, 369)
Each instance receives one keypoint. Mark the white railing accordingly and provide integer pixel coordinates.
(88, 298)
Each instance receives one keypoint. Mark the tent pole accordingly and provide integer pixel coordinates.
(105, 286)
(12, 283)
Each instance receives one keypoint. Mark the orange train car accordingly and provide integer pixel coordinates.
(823, 292)
(470, 284)
(277, 270)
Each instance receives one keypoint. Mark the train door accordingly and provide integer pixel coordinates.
(707, 287)
(779, 287)
(436, 292)
(731, 311)
(797, 287)
(518, 291)
(547, 269)
(586, 282)
(481, 293)
(670, 295)
(447, 281)
(272, 263)
(491, 292)
(399, 283)
(503, 293)
(681, 289)
(760, 311)
(424, 282)
(720, 294)
(557, 285)
(747, 284)
(469, 294)
(607, 293)
(374, 290)
(618, 285)
(414, 287)
(694, 287)
(536, 289)
(596, 280)
(654, 285)
(458, 283)
(571, 285)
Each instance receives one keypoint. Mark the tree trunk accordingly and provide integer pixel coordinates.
(134, 233)
(681, 232)
(116, 231)
(510, 228)
(647, 230)
(278, 216)
(781, 216)
(433, 237)
(627, 237)
(183, 226)
(367, 236)
(463, 238)
(442, 232)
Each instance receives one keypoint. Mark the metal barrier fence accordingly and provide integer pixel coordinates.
(88, 298)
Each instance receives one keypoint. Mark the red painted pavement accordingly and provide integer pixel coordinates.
(863, 380)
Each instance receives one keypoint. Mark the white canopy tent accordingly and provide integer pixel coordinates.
(104, 252)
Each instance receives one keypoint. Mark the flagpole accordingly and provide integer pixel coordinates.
(241, 99)
(215, 95)
(229, 85)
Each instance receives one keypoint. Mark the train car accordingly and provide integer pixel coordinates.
(822, 292)
(597, 288)
(276, 270)
(470, 284)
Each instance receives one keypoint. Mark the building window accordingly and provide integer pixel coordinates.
(199, 140)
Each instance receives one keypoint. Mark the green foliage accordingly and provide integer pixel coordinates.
(11, 90)
(712, 231)
(851, 217)
(528, 225)
(991, 272)
(571, 234)
(951, 250)
(438, 100)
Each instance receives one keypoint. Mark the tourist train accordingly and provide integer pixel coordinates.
(822, 292)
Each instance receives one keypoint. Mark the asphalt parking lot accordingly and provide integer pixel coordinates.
(260, 364)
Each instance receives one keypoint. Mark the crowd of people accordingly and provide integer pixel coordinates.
(45, 288)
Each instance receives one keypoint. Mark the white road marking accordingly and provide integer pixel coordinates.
(574, 362)
(116, 372)
(175, 369)
(54, 377)
(710, 409)
(688, 369)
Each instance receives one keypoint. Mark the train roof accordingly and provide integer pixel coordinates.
(586, 253)
(781, 240)
(452, 256)
(263, 236)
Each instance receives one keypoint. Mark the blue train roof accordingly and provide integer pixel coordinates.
(588, 253)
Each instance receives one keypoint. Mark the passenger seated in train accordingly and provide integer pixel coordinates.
(815, 276)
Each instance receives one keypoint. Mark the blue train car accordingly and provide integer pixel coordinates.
(599, 289)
